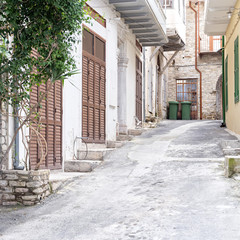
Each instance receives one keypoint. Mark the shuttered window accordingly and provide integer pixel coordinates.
(93, 88)
(226, 82)
(49, 124)
(138, 89)
(236, 70)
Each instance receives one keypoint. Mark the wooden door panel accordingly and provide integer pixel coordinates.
(93, 89)
(49, 125)
(138, 89)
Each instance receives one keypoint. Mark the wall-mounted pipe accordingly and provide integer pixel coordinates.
(196, 54)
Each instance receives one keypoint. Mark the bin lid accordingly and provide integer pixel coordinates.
(186, 102)
(173, 102)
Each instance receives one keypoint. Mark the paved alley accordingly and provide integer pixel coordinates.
(167, 184)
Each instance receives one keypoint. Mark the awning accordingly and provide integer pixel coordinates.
(146, 19)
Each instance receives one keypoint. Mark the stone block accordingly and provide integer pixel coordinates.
(8, 197)
(38, 190)
(45, 182)
(23, 177)
(77, 166)
(35, 184)
(21, 190)
(3, 183)
(6, 190)
(232, 165)
(44, 177)
(47, 193)
(93, 155)
(36, 178)
(135, 132)
(29, 198)
(28, 203)
(17, 184)
(11, 203)
(23, 173)
(10, 177)
(40, 172)
(45, 188)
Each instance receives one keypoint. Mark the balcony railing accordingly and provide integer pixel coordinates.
(210, 44)
(167, 3)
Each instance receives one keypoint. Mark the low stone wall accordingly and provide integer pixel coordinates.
(23, 187)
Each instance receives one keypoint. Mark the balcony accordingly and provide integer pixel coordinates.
(216, 17)
(146, 19)
(209, 45)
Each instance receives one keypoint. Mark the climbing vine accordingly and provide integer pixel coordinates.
(36, 43)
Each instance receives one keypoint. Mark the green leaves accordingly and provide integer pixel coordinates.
(41, 34)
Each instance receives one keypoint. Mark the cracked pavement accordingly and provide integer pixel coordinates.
(167, 184)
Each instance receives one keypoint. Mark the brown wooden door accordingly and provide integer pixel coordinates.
(93, 87)
(49, 124)
(138, 89)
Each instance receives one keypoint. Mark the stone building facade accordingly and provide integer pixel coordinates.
(182, 68)
(3, 135)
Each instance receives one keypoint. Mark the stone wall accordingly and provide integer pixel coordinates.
(23, 187)
(183, 66)
(3, 135)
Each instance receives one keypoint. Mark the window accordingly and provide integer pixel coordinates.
(187, 91)
(236, 71)
(167, 3)
(226, 82)
(210, 44)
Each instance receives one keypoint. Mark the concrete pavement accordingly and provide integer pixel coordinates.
(166, 184)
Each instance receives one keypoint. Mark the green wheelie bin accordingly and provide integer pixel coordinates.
(186, 110)
(173, 110)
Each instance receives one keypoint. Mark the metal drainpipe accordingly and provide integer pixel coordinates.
(16, 154)
(196, 48)
(143, 84)
(223, 83)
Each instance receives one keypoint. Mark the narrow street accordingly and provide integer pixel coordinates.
(167, 184)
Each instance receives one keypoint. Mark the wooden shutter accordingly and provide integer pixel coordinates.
(49, 124)
(236, 70)
(138, 89)
(94, 88)
(226, 82)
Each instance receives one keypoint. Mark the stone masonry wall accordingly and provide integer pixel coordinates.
(23, 187)
(3, 135)
(183, 66)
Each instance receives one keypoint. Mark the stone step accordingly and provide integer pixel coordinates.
(123, 138)
(96, 146)
(80, 165)
(91, 155)
(135, 132)
(115, 144)
(230, 144)
(94, 154)
(231, 151)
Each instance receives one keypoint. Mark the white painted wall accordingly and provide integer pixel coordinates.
(72, 91)
(131, 81)
(155, 84)
(176, 19)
